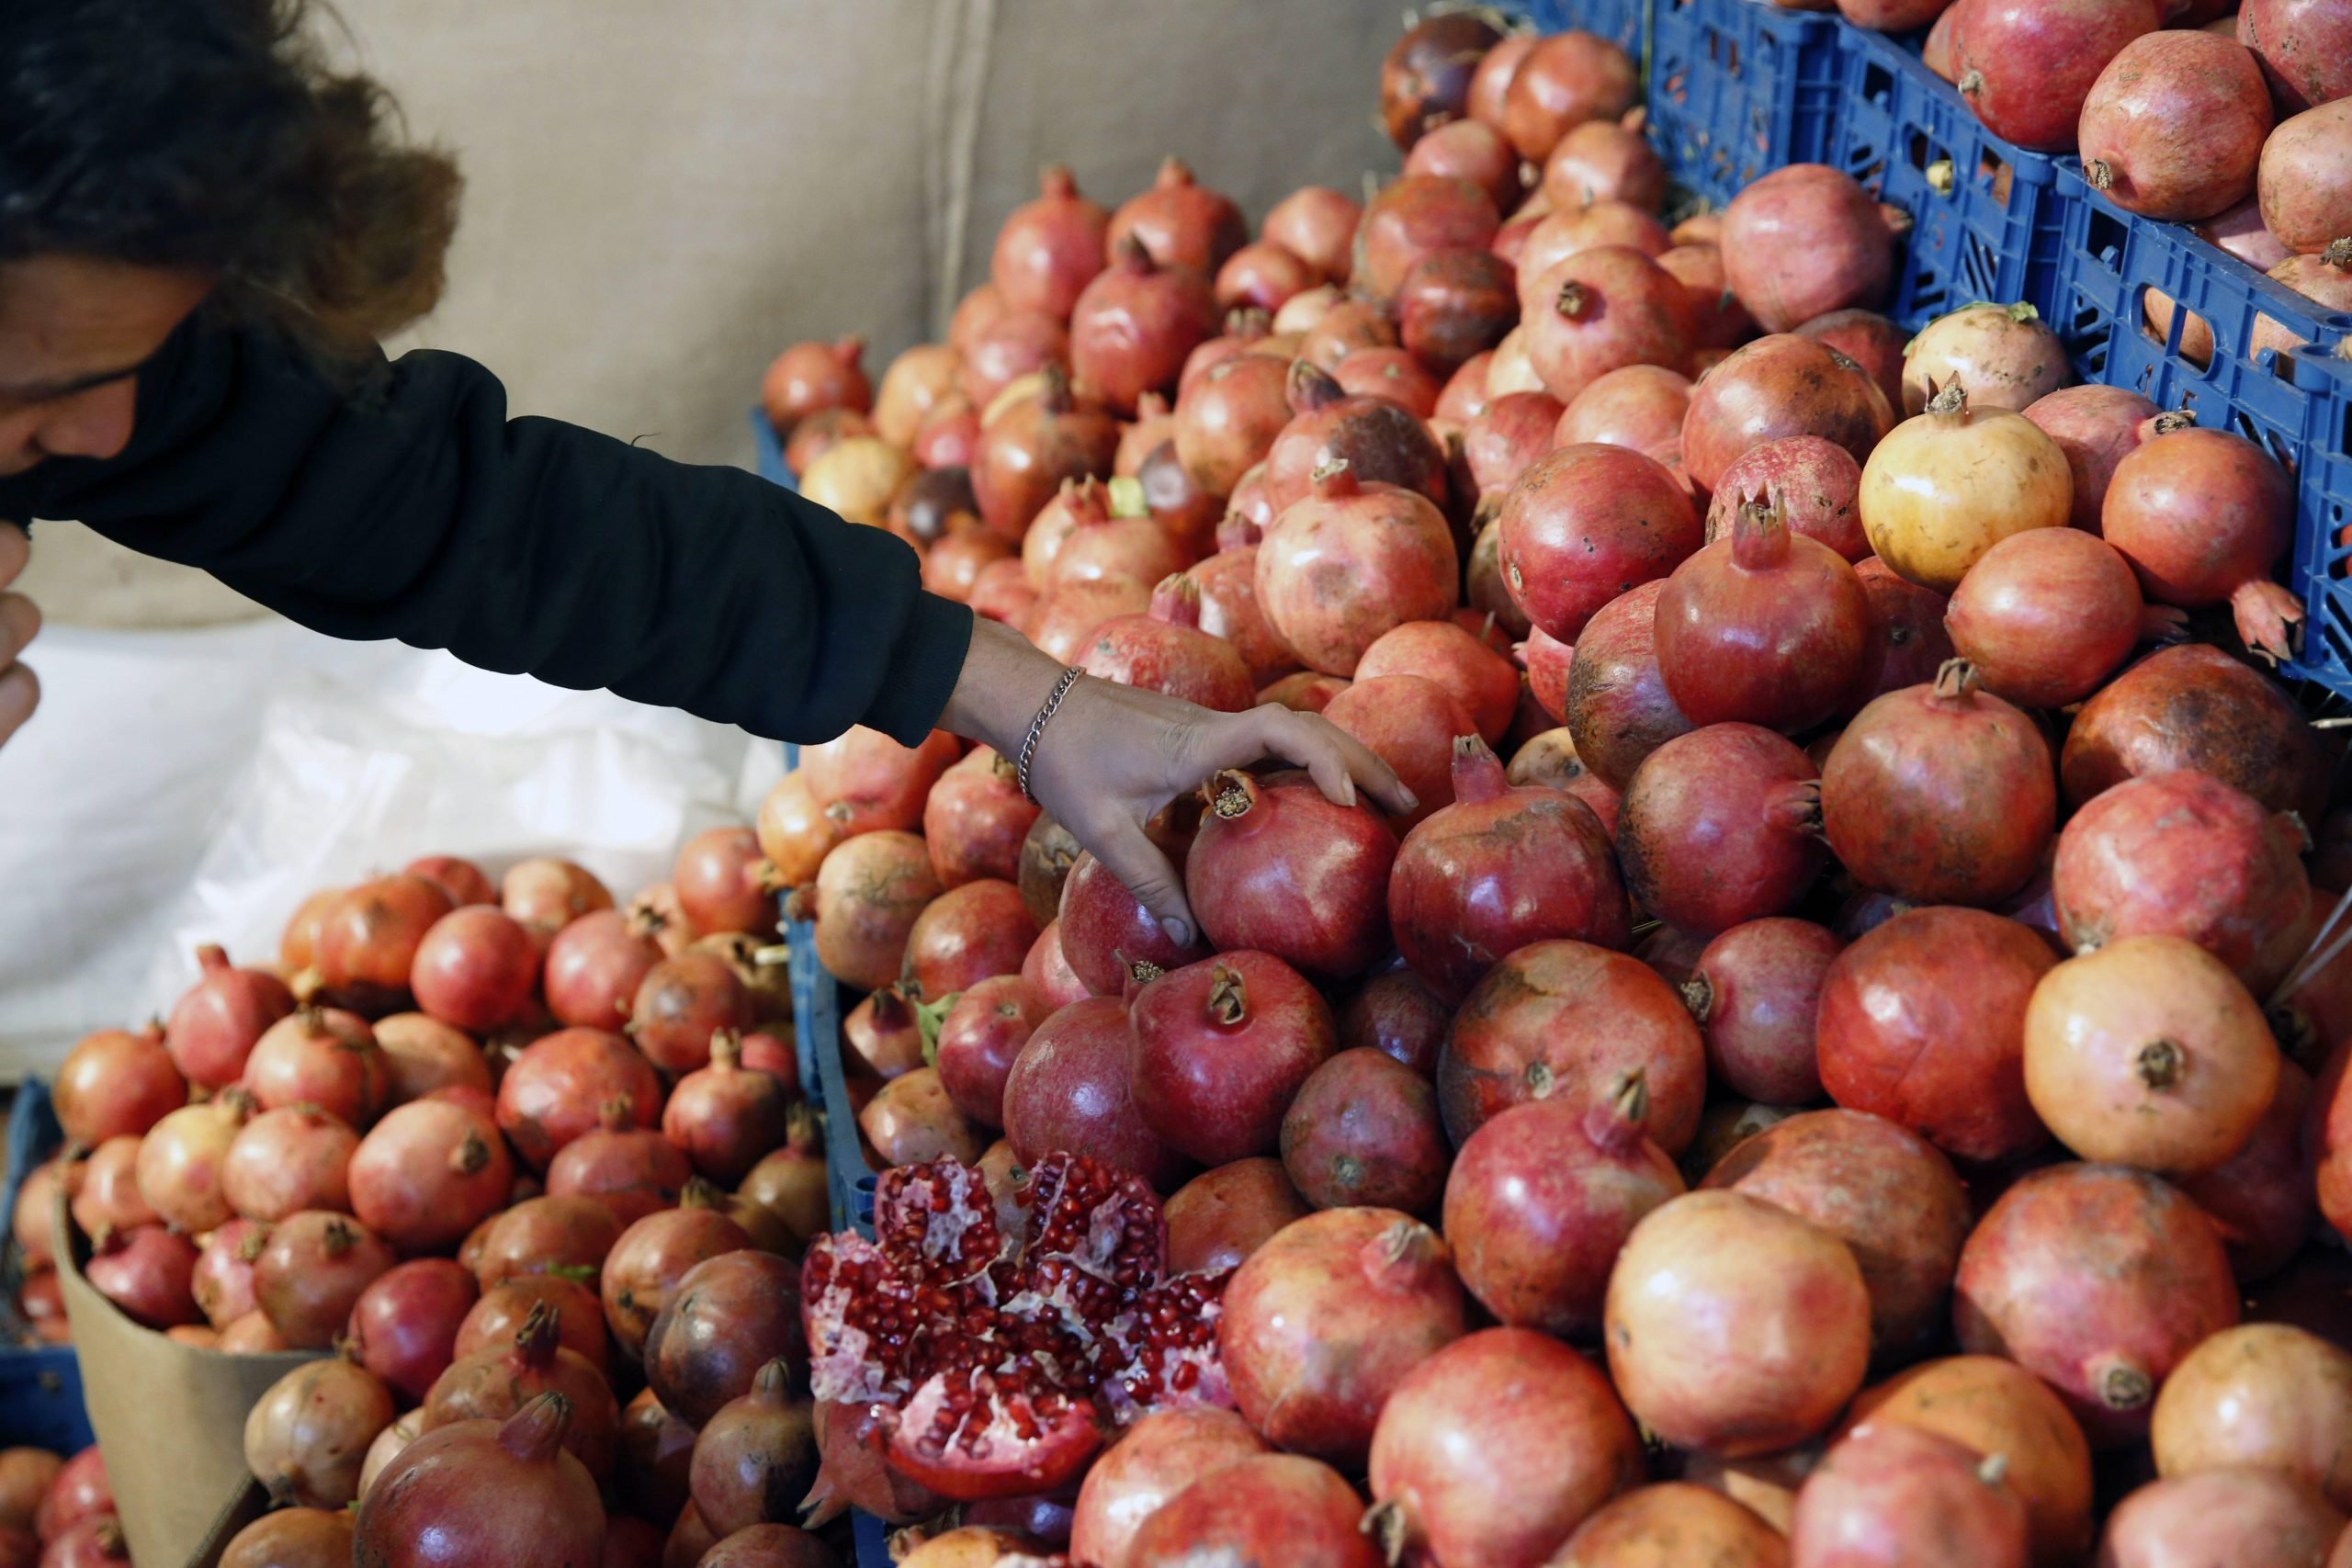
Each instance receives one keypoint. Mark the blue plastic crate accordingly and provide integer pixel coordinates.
(1738, 88)
(1985, 222)
(2297, 404)
(40, 1386)
(1623, 22)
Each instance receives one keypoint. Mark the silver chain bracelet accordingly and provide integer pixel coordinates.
(1037, 729)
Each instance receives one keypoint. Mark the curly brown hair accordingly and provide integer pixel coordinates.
(213, 135)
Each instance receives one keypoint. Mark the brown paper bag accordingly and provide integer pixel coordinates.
(170, 1417)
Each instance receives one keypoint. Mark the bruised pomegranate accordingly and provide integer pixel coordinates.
(212, 1030)
(1349, 562)
(1733, 1325)
(2194, 706)
(2098, 1279)
(1132, 325)
(1381, 443)
(559, 1087)
(1586, 524)
(1496, 870)
(369, 940)
(1453, 306)
(1567, 1021)
(870, 892)
(1616, 705)
(1495, 1450)
(1719, 827)
(876, 783)
(1325, 1320)
(1812, 482)
(1280, 869)
(1779, 386)
(1363, 1131)
(1922, 1022)
(1542, 1197)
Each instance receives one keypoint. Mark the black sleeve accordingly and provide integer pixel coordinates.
(408, 505)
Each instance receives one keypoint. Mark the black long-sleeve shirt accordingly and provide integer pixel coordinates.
(413, 507)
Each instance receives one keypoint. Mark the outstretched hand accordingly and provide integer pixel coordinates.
(1112, 756)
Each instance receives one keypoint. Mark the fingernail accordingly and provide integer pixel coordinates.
(1178, 931)
(1348, 788)
(1412, 801)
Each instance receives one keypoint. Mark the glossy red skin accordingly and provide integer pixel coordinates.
(1065, 620)
(1068, 1091)
(1179, 221)
(2046, 615)
(1716, 828)
(641, 1274)
(1272, 1509)
(714, 883)
(1885, 1192)
(1508, 437)
(2081, 1270)
(106, 1196)
(1227, 419)
(967, 935)
(504, 1308)
(1640, 406)
(1603, 309)
(815, 436)
(1588, 524)
(1815, 483)
(1566, 79)
(1102, 924)
(477, 968)
(1765, 627)
(1537, 1208)
(2304, 48)
(1410, 724)
(1229, 585)
(2096, 427)
(554, 1089)
(2240, 1513)
(1803, 241)
(1221, 1216)
(1290, 873)
(1307, 691)
(2197, 513)
(1896, 1493)
(1869, 340)
(2183, 854)
(328, 1058)
(979, 1040)
(1325, 1320)
(881, 783)
(150, 1273)
(1550, 665)
(1495, 1449)
(1779, 386)
(1939, 798)
(682, 1003)
(1159, 1457)
(540, 1234)
(726, 1116)
(1758, 986)
(809, 377)
(1215, 1092)
(368, 939)
(460, 878)
(1562, 1019)
(1455, 305)
(223, 1281)
(1602, 160)
(1496, 870)
(632, 1171)
(1363, 1130)
(79, 1490)
(1922, 1022)
(1380, 442)
(2194, 706)
(1398, 1015)
(1048, 249)
(114, 1084)
(404, 1325)
(1047, 968)
(1413, 217)
(2261, 1202)
(1263, 276)
(974, 821)
(1025, 454)
(593, 967)
(1616, 705)
(728, 1317)
(429, 1173)
(2037, 62)
(1719, 321)
(214, 1024)
(2175, 122)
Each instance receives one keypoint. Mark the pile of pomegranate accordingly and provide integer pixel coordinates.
(1855, 1020)
(2234, 118)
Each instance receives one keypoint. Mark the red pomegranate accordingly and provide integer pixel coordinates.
(1049, 250)
(1569, 232)
(2026, 70)
(460, 878)
(404, 1325)
(1922, 1020)
(1616, 705)
(725, 1116)
(149, 1272)
(1641, 406)
(311, 1272)
(2201, 515)
(499, 1316)
(1221, 1047)
(595, 967)
(1565, 80)
(2194, 706)
(548, 895)
(1226, 421)
(1166, 651)
(2098, 1279)
(808, 378)
(1604, 160)
(631, 1170)
(1812, 482)
(1068, 1089)
(1897, 1491)
(2270, 1516)
(1472, 150)
(716, 886)
(1886, 1193)
(224, 1282)
(1105, 930)
(1567, 1021)
(106, 1196)
(1325, 1320)
(2304, 48)
(1160, 1456)
(1470, 666)
(1586, 524)
(1392, 375)
(978, 930)
(555, 1089)
(1262, 276)
(477, 968)
(1025, 454)
(1269, 1508)
(539, 1235)
(1495, 1450)
(1047, 968)
(2096, 426)
(1380, 442)
(1722, 323)
(1227, 584)
(1496, 870)
(1719, 827)
(214, 1024)
(1280, 869)
(1661, 1522)
(1411, 725)
(368, 939)
(319, 1057)
(1364, 1131)
(287, 1160)
(1766, 627)
(2178, 76)
(1346, 325)
(1317, 224)
(1351, 563)
(1754, 991)
(2046, 615)
(866, 781)
(1803, 241)
(1601, 309)
(978, 1039)
(1132, 326)
(115, 1084)
(1509, 436)
(1779, 386)
(1733, 1325)
(1453, 306)
(975, 820)
(1181, 222)
(479, 1491)
(1222, 1216)
(1869, 339)
(1415, 216)
(2261, 1200)
(1064, 620)
(1541, 1199)
(641, 1274)
(1398, 1015)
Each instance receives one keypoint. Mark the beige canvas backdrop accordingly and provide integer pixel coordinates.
(662, 193)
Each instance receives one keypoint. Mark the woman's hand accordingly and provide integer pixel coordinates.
(1112, 756)
(19, 620)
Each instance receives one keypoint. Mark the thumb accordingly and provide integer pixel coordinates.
(1136, 861)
